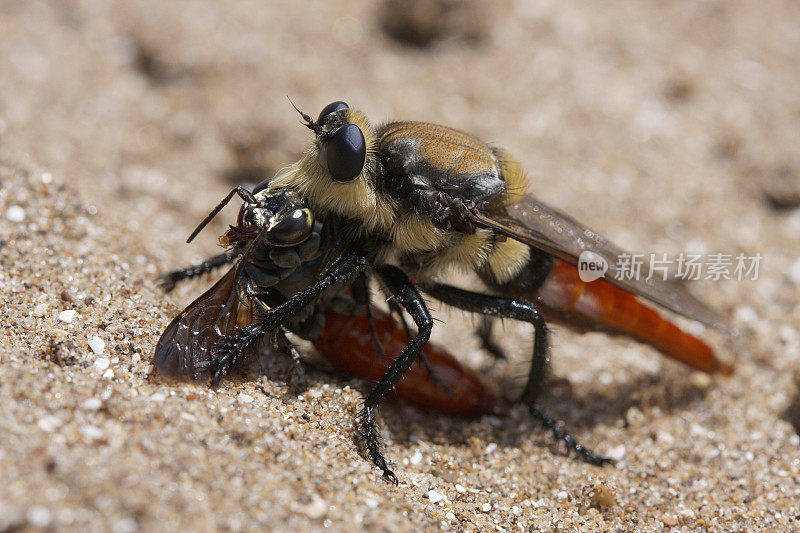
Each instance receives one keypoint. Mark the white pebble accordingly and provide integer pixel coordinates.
(490, 448)
(49, 423)
(435, 497)
(516, 510)
(617, 453)
(450, 516)
(39, 516)
(372, 504)
(157, 397)
(92, 432)
(486, 507)
(101, 363)
(745, 315)
(460, 488)
(40, 310)
(97, 345)
(125, 525)
(317, 508)
(244, 398)
(416, 459)
(15, 213)
(562, 495)
(108, 374)
(92, 404)
(794, 272)
(67, 316)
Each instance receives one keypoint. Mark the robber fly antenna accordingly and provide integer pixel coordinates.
(243, 193)
(309, 123)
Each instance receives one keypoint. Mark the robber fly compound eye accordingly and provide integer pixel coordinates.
(344, 152)
(292, 229)
(329, 109)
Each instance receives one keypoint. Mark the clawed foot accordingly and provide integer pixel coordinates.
(369, 440)
(561, 434)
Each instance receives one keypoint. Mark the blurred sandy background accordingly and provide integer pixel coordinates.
(667, 125)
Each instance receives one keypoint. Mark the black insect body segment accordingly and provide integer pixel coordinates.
(412, 200)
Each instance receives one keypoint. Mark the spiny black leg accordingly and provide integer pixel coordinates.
(526, 312)
(361, 295)
(168, 281)
(484, 334)
(296, 373)
(409, 298)
(229, 349)
(360, 291)
(547, 420)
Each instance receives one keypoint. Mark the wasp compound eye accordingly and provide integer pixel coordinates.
(329, 109)
(345, 151)
(293, 229)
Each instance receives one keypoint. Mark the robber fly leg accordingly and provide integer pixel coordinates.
(447, 212)
(225, 352)
(484, 334)
(526, 312)
(168, 281)
(409, 298)
(360, 290)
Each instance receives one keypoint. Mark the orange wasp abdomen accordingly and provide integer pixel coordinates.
(346, 343)
(600, 306)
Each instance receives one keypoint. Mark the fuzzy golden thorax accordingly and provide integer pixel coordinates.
(358, 199)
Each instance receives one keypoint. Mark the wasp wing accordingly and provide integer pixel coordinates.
(548, 229)
(184, 349)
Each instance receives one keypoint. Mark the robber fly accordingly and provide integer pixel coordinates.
(411, 200)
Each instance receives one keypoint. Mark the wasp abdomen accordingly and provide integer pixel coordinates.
(600, 306)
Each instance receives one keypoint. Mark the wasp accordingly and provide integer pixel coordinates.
(406, 203)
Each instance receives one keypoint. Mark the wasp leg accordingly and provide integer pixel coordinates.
(484, 334)
(229, 349)
(168, 281)
(526, 312)
(296, 374)
(360, 290)
(410, 299)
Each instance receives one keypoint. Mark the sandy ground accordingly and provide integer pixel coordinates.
(122, 123)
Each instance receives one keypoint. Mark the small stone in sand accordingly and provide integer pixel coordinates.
(67, 316)
(97, 345)
(435, 497)
(15, 213)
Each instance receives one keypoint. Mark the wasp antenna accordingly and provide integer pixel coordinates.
(245, 195)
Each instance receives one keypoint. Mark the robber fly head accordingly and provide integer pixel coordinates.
(339, 170)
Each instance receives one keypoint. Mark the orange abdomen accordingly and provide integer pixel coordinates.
(600, 306)
(346, 343)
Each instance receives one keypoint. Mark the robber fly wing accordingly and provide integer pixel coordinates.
(184, 349)
(548, 229)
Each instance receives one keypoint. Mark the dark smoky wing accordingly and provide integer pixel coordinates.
(548, 229)
(184, 349)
